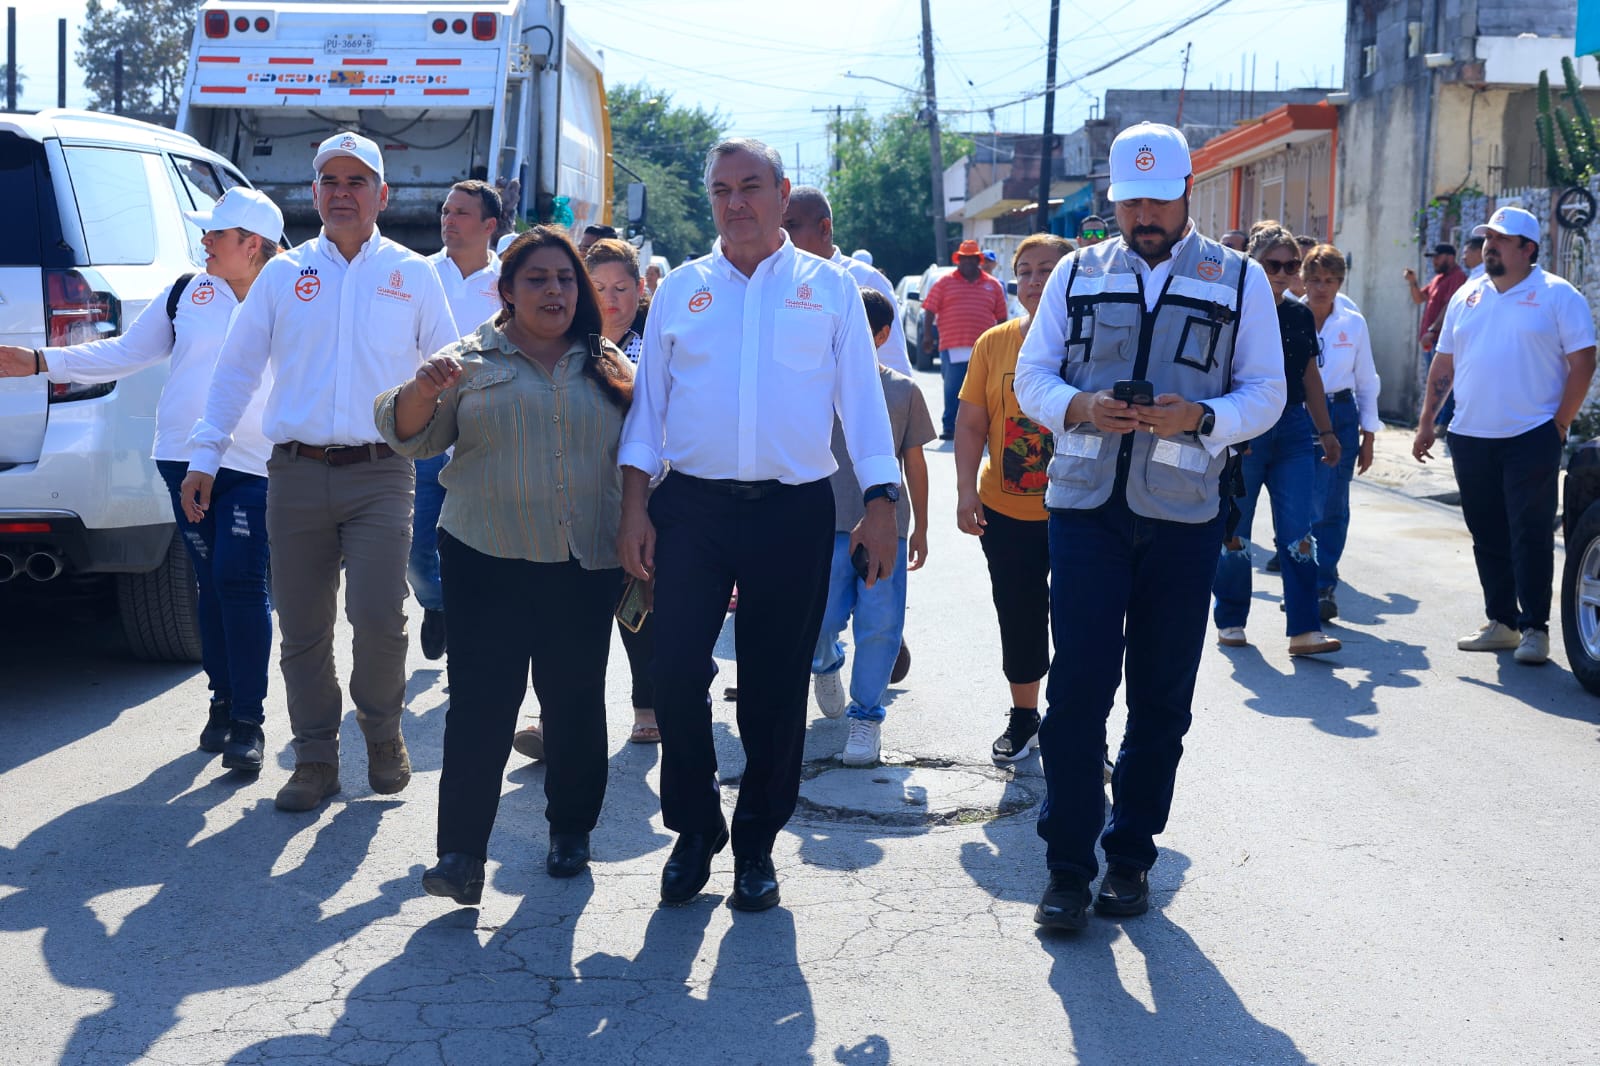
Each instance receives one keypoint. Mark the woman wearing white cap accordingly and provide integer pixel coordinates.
(187, 322)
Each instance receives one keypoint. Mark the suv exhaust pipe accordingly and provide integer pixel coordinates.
(11, 565)
(44, 566)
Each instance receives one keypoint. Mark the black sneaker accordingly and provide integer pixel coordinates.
(215, 735)
(1327, 609)
(1065, 903)
(245, 744)
(1020, 738)
(433, 634)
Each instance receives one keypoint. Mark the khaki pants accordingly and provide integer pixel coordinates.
(317, 517)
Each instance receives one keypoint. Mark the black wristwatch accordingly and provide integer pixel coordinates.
(1208, 421)
(887, 491)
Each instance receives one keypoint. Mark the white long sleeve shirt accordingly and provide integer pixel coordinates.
(892, 352)
(741, 377)
(192, 338)
(1256, 393)
(1346, 363)
(474, 298)
(335, 334)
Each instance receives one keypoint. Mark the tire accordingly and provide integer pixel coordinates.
(1580, 599)
(161, 609)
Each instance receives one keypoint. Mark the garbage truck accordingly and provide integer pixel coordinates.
(499, 90)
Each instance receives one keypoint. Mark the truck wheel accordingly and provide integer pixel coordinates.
(161, 609)
(1580, 599)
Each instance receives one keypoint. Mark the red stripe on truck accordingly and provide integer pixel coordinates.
(219, 59)
(366, 62)
(445, 92)
(222, 88)
(371, 92)
(299, 92)
(438, 62)
(295, 60)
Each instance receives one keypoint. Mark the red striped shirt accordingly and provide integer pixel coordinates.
(965, 309)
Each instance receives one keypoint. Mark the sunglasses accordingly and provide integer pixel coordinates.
(1274, 266)
(1096, 234)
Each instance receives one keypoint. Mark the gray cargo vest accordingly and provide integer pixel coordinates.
(1184, 346)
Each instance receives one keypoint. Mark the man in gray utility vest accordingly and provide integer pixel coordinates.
(1149, 355)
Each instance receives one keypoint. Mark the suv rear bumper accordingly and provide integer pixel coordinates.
(123, 550)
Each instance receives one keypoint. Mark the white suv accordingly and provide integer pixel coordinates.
(93, 234)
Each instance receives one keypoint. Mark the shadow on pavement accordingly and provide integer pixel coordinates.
(1313, 691)
(151, 909)
(1190, 1004)
(1549, 688)
(1363, 609)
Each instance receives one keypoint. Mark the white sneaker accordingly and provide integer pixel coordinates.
(829, 690)
(1534, 648)
(1231, 637)
(1491, 636)
(865, 743)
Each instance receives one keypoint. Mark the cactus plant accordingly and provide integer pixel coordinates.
(1571, 141)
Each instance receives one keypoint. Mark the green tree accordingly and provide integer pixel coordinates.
(881, 196)
(154, 37)
(667, 146)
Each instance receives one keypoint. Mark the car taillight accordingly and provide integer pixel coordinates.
(262, 25)
(74, 313)
(216, 24)
(459, 25)
(440, 25)
(483, 26)
(241, 24)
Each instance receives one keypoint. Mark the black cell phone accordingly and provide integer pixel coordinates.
(858, 559)
(1134, 391)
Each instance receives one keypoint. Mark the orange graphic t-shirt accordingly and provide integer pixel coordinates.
(1015, 472)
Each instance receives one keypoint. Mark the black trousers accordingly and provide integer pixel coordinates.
(1018, 553)
(1508, 498)
(501, 616)
(778, 549)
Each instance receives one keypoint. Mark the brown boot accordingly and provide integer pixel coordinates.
(388, 765)
(312, 783)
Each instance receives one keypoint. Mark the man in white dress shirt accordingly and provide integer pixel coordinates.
(748, 354)
(339, 319)
(1149, 355)
(469, 270)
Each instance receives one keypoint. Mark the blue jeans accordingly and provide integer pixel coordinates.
(422, 569)
(1333, 493)
(954, 374)
(880, 617)
(229, 550)
(1120, 586)
(1284, 460)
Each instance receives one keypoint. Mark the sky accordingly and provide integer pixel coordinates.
(777, 77)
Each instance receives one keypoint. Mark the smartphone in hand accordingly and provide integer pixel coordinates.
(1134, 391)
(858, 559)
(635, 604)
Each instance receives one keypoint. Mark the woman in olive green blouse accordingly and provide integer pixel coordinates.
(533, 403)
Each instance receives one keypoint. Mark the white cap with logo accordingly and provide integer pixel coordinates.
(352, 145)
(1149, 162)
(241, 208)
(1511, 222)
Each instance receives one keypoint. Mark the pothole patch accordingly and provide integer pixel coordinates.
(912, 793)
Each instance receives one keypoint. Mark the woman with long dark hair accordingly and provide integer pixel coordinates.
(533, 402)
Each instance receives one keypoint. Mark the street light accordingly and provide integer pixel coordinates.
(890, 84)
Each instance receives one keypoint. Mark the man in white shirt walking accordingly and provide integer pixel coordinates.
(339, 319)
(1518, 351)
(748, 354)
(469, 270)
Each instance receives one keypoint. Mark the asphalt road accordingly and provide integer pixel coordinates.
(1385, 856)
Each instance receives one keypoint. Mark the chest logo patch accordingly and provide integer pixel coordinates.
(203, 294)
(700, 301)
(1209, 269)
(803, 292)
(1473, 297)
(308, 285)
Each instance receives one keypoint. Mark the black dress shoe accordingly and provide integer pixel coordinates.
(458, 876)
(433, 642)
(755, 883)
(244, 747)
(569, 854)
(1065, 904)
(1124, 892)
(689, 866)
(215, 735)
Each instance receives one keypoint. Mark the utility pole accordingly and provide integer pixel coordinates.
(11, 59)
(61, 62)
(1183, 84)
(941, 238)
(1047, 143)
(837, 110)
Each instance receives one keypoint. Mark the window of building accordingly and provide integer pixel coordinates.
(1414, 38)
(1369, 60)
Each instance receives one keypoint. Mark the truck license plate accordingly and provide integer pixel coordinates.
(348, 44)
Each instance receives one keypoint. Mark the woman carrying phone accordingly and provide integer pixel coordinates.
(533, 402)
(1284, 460)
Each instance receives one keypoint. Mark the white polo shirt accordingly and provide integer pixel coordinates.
(475, 298)
(892, 352)
(193, 338)
(1511, 351)
(335, 334)
(1346, 362)
(741, 376)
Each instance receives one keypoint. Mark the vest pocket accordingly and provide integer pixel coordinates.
(1115, 333)
(1197, 343)
(1080, 456)
(1177, 470)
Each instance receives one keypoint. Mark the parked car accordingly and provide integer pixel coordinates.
(908, 299)
(1580, 577)
(97, 235)
(920, 359)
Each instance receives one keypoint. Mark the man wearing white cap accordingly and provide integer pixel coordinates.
(1517, 348)
(1149, 355)
(338, 320)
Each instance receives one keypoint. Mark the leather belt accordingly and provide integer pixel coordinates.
(1343, 396)
(739, 490)
(337, 454)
